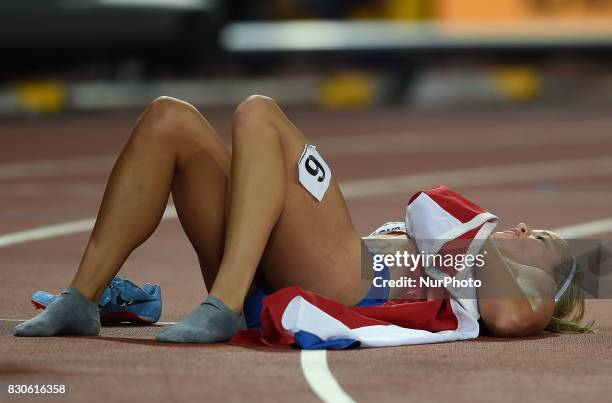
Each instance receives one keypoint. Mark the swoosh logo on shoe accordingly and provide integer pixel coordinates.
(123, 303)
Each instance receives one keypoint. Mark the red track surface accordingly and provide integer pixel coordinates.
(124, 363)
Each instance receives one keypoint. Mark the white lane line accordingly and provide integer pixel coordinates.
(489, 175)
(45, 168)
(23, 320)
(47, 232)
(506, 137)
(68, 228)
(586, 229)
(320, 378)
(370, 144)
(314, 363)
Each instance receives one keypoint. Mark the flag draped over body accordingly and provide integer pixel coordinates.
(441, 222)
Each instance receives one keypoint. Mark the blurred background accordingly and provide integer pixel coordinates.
(67, 56)
(506, 101)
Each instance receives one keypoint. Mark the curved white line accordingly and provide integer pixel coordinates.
(320, 378)
(314, 363)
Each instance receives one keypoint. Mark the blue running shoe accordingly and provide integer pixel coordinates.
(122, 301)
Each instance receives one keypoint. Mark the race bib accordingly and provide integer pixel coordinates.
(313, 172)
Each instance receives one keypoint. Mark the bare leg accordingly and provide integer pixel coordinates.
(302, 241)
(267, 207)
(169, 143)
(171, 146)
(258, 183)
(168, 151)
(256, 200)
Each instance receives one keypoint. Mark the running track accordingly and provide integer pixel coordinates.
(550, 167)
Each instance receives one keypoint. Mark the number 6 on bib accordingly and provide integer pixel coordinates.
(313, 172)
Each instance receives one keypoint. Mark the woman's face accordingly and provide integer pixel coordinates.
(537, 248)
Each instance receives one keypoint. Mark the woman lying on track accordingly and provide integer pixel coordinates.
(247, 210)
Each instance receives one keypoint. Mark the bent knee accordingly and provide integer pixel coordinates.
(255, 107)
(255, 117)
(164, 117)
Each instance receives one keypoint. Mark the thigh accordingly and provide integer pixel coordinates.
(314, 244)
(199, 190)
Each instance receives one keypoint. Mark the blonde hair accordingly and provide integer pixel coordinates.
(569, 309)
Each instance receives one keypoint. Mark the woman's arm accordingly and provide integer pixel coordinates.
(514, 300)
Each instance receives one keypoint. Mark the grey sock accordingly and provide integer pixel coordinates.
(70, 313)
(210, 322)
